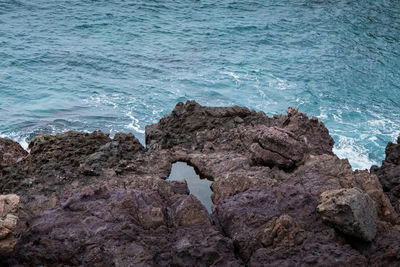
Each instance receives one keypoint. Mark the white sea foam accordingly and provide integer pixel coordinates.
(357, 155)
(17, 137)
(134, 124)
(322, 115)
(280, 84)
(232, 74)
(103, 100)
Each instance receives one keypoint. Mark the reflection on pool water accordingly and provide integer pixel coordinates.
(199, 187)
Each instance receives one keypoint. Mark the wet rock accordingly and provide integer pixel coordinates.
(11, 151)
(350, 211)
(389, 173)
(9, 205)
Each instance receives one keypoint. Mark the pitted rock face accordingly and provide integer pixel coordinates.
(280, 226)
(267, 176)
(389, 173)
(11, 151)
(350, 211)
(188, 121)
(9, 205)
(123, 227)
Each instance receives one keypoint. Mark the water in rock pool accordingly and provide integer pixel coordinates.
(120, 65)
(199, 187)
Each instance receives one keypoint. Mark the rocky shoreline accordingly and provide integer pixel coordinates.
(280, 196)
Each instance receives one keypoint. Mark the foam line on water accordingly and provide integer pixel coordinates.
(346, 148)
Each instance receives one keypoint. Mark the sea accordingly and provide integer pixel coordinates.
(119, 65)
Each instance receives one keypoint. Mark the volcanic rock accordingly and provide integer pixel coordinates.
(8, 221)
(327, 172)
(389, 173)
(11, 151)
(191, 126)
(350, 211)
(87, 199)
(280, 226)
(105, 227)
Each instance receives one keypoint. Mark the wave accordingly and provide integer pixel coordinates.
(358, 155)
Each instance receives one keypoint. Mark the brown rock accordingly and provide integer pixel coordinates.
(11, 151)
(327, 172)
(282, 231)
(187, 211)
(106, 227)
(389, 173)
(267, 176)
(273, 226)
(9, 205)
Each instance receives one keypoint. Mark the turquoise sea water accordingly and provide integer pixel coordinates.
(119, 65)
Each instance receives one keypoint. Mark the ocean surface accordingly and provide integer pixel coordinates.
(119, 65)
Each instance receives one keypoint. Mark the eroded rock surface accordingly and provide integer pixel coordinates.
(389, 173)
(11, 151)
(9, 205)
(281, 226)
(87, 199)
(123, 228)
(350, 211)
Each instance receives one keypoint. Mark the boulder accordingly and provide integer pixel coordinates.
(321, 173)
(350, 211)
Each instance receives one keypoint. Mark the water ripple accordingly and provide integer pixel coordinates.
(120, 65)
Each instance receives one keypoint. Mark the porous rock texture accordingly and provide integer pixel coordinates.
(350, 211)
(89, 200)
(11, 151)
(389, 173)
(9, 205)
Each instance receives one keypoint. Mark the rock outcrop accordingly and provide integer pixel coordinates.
(389, 173)
(280, 225)
(350, 211)
(87, 199)
(11, 151)
(123, 228)
(9, 205)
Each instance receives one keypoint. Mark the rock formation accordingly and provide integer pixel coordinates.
(9, 205)
(389, 173)
(350, 211)
(87, 199)
(11, 151)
